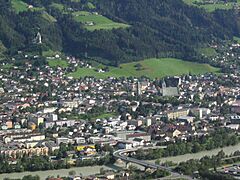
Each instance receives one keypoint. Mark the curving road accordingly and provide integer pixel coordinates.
(120, 154)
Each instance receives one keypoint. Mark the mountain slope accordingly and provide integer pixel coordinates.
(166, 28)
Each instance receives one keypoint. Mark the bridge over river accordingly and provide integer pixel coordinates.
(122, 154)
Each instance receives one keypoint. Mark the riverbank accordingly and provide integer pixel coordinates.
(86, 171)
(181, 158)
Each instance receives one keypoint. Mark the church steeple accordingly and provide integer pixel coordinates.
(38, 38)
(164, 84)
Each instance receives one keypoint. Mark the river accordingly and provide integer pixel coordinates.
(86, 171)
(177, 159)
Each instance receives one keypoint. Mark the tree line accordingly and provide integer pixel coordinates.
(220, 138)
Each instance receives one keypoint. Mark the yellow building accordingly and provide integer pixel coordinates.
(32, 125)
(84, 147)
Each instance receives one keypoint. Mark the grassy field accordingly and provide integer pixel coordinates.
(51, 53)
(57, 63)
(211, 7)
(209, 52)
(237, 39)
(7, 66)
(48, 17)
(99, 21)
(58, 6)
(153, 68)
(20, 6)
(105, 115)
(2, 50)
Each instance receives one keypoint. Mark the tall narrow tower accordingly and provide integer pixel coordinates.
(139, 90)
(39, 38)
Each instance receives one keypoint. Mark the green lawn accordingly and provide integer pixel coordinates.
(211, 7)
(51, 53)
(153, 68)
(209, 52)
(105, 115)
(58, 63)
(99, 21)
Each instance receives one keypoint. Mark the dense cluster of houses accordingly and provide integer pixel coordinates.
(41, 109)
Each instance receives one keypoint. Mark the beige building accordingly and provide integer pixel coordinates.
(174, 133)
(29, 152)
(177, 113)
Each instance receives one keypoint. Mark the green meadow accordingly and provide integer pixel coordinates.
(99, 21)
(57, 63)
(2, 50)
(51, 53)
(7, 66)
(105, 116)
(209, 52)
(211, 7)
(20, 6)
(58, 6)
(237, 39)
(152, 68)
(48, 17)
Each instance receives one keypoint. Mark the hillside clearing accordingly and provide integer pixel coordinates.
(210, 7)
(20, 6)
(94, 21)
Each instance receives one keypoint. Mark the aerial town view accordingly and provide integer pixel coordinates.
(119, 89)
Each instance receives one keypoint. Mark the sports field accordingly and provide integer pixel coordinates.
(153, 68)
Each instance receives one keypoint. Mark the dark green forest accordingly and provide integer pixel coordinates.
(166, 28)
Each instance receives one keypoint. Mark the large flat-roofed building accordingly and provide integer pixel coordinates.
(177, 113)
(130, 135)
(235, 108)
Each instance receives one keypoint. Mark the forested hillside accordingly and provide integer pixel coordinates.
(114, 31)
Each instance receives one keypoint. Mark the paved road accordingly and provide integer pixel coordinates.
(120, 154)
